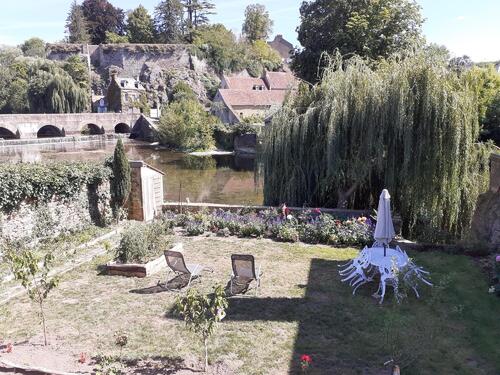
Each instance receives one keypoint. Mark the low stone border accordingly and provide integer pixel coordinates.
(139, 270)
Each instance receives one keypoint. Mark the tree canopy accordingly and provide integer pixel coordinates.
(140, 26)
(103, 17)
(77, 25)
(374, 29)
(33, 47)
(410, 126)
(257, 25)
(169, 21)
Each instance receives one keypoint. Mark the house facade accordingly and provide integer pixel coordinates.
(123, 94)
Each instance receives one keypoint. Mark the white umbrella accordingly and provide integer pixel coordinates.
(384, 231)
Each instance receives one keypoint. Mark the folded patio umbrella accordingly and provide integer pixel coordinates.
(384, 231)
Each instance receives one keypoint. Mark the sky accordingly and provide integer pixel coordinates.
(465, 27)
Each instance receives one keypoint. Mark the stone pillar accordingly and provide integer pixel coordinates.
(486, 220)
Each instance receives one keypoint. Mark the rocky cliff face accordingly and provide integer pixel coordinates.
(158, 66)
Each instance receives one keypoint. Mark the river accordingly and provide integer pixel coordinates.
(225, 179)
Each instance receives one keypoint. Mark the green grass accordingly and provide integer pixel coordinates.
(302, 308)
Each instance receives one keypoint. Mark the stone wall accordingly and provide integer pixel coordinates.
(486, 220)
(32, 222)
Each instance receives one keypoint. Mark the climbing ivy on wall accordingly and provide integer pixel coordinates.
(40, 183)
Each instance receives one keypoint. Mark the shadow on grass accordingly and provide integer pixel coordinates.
(176, 284)
(158, 365)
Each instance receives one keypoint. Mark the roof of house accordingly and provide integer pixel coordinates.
(280, 80)
(252, 98)
(129, 83)
(244, 83)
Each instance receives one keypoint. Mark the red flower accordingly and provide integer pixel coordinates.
(305, 358)
(9, 348)
(83, 358)
(317, 210)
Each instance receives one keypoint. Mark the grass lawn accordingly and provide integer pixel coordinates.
(302, 309)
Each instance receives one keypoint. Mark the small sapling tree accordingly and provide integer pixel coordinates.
(201, 313)
(33, 273)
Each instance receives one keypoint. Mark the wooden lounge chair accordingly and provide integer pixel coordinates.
(177, 265)
(244, 272)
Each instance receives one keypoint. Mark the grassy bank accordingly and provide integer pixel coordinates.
(302, 308)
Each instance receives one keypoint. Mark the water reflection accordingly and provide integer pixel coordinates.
(214, 179)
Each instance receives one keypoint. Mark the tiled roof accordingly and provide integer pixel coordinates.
(244, 83)
(252, 98)
(280, 80)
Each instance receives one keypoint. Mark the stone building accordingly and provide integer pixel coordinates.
(123, 94)
(283, 47)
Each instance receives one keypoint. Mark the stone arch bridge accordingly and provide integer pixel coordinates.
(26, 126)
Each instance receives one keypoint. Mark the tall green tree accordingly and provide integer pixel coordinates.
(76, 25)
(257, 25)
(371, 29)
(140, 26)
(121, 182)
(169, 21)
(410, 126)
(102, 16)
(34, 47)
(197, 13)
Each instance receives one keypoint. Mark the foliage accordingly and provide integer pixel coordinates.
(197, 12)
(103, 17)
(195, 228)
(460, 64)
(410, 126)
(140, 26)
(491, 122)
(40, 183)
(169, 21)
(34, 47)
(106, 365)
(34, 277)
(257, 25)
(225, 53)
(202, 313)
(77, 27)
(268, 57)
(78, 70)
(121, 181)
(182, 91)
(114, 38)
(187, 126)
(374, 30)
(142, 242)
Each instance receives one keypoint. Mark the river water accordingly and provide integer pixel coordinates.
(225, 179)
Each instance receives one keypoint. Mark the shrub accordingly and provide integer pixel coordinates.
(195, 228)
(287, 233)
(185, 125)
(142, 242)
(252, 229)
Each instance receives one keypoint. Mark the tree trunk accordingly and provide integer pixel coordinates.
(344, 195)
(43, 324)
(206, 354)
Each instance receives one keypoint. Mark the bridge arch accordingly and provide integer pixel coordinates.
(49, 131)
(92, 129)
(122, 128)
(7, 133)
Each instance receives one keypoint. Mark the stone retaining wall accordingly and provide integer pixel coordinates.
(34, 222)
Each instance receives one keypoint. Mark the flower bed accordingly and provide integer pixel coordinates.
(311, 226)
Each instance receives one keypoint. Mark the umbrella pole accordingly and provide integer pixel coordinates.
(385, 251)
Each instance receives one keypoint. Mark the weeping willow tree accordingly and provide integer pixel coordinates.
(409, 126)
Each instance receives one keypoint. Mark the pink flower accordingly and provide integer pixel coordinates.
(305, 361)
(9, 348)
(83, 358)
